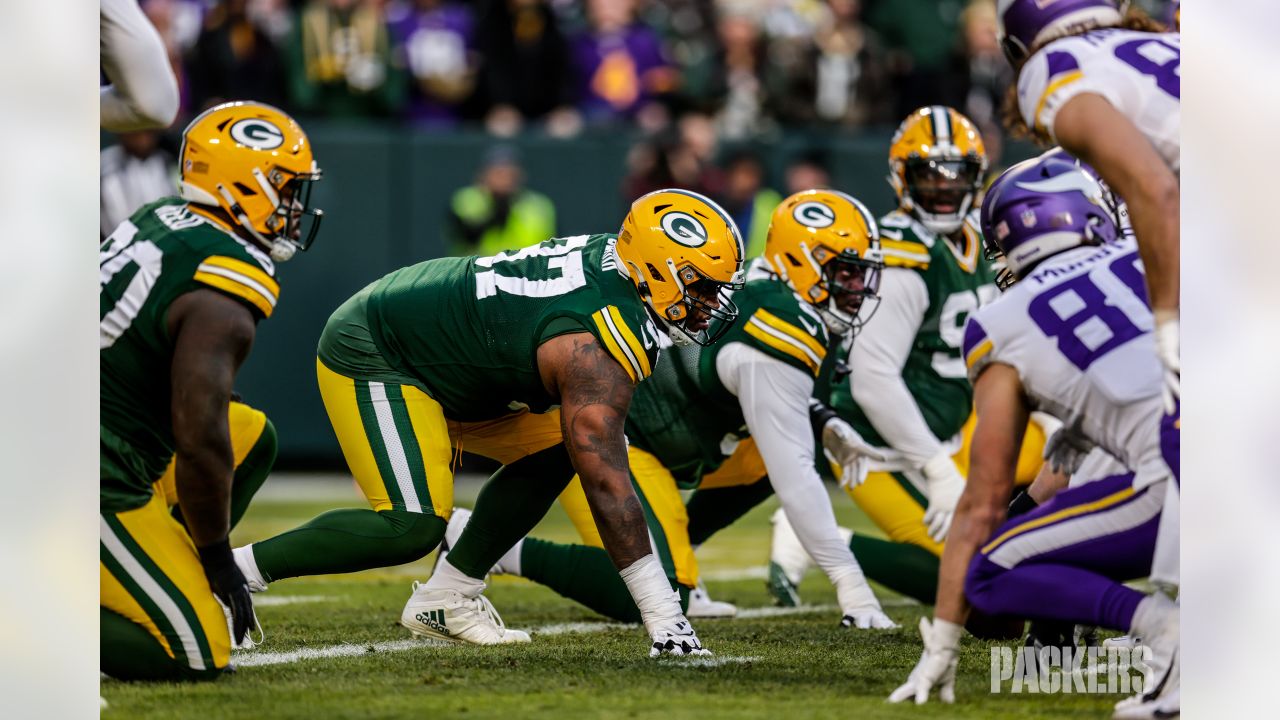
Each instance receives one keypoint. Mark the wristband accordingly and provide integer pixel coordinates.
(1022, 504)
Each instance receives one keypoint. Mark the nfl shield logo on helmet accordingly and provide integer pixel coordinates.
(1029, 218)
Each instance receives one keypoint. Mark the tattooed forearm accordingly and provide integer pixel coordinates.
(595, 393)
(620, 520)
(597, 432)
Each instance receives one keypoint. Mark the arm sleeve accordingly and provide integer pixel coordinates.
(877, 358)
(775, 403)
(143, 92)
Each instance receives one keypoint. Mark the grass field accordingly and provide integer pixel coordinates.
(334, 649)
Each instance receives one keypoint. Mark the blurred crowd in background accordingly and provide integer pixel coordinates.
(687, 77)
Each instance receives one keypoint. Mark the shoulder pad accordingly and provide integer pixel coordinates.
(905, 253)
(790, 331)
(632, 340)
(240, 279)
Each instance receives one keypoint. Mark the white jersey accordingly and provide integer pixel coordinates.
(1137, 72)
(1078, 332)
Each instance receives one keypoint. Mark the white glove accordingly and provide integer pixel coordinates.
(944, 485)
(1065, 450)
(676, 639)
(659, 607)
(859, 604)
(937, 666)
(1167, 341)
(846, 448)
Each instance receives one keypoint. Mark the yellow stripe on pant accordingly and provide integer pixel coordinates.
(149, 536)
(901, 517)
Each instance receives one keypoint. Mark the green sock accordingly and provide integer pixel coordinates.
(126, 651)
(711, 511)
(342, 541)
(903, 568)
(249, 474)
(584, 574)
(509, 506)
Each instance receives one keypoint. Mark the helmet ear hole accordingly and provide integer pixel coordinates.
(244, 189)
(653, 271)
(795, 262)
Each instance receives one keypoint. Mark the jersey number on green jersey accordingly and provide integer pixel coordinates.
(955, 312)
(564, 272)
(143, 259)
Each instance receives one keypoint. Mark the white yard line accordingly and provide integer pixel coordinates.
(274, 600)
(258, 658)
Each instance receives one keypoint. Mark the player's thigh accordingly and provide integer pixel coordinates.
(509, 438)
(743, 467)
(149, 573)
(395, 440)
(1030, 458)
(896, 507)
(245, 424)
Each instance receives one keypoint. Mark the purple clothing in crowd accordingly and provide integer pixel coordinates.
(610, 71)
(436, 42)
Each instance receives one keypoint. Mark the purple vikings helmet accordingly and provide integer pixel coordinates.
(1025, 24)
(1117, 207)
(1039, 208)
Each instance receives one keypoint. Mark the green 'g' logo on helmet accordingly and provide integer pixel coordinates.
(684, 229)
(814, 214)
(257, 133)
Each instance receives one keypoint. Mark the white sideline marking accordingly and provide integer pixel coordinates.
(274, 600)
(768, 612)
(256, 658)
(754, 572)
(253, 658)
(580, 627)
(713, 661)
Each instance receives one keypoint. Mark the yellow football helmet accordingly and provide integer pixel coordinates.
(936, 165)
(826, 246)
(252, 162)
(673, 241)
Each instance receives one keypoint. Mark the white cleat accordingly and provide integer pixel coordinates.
(1123, 642)
(702, 606)
(447, 614)
(1162, 695)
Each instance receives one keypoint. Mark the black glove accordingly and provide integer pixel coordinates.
(229, 585)
(1021, 505)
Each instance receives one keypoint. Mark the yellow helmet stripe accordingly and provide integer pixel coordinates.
(613, 345)
(239, 289)
(244, 268)
(614, 319)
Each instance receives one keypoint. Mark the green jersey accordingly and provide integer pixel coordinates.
(467, 330)
(957, 283)
(686, 417)
(162, 252)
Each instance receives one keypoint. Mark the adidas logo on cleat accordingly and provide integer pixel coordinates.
(433, 619)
